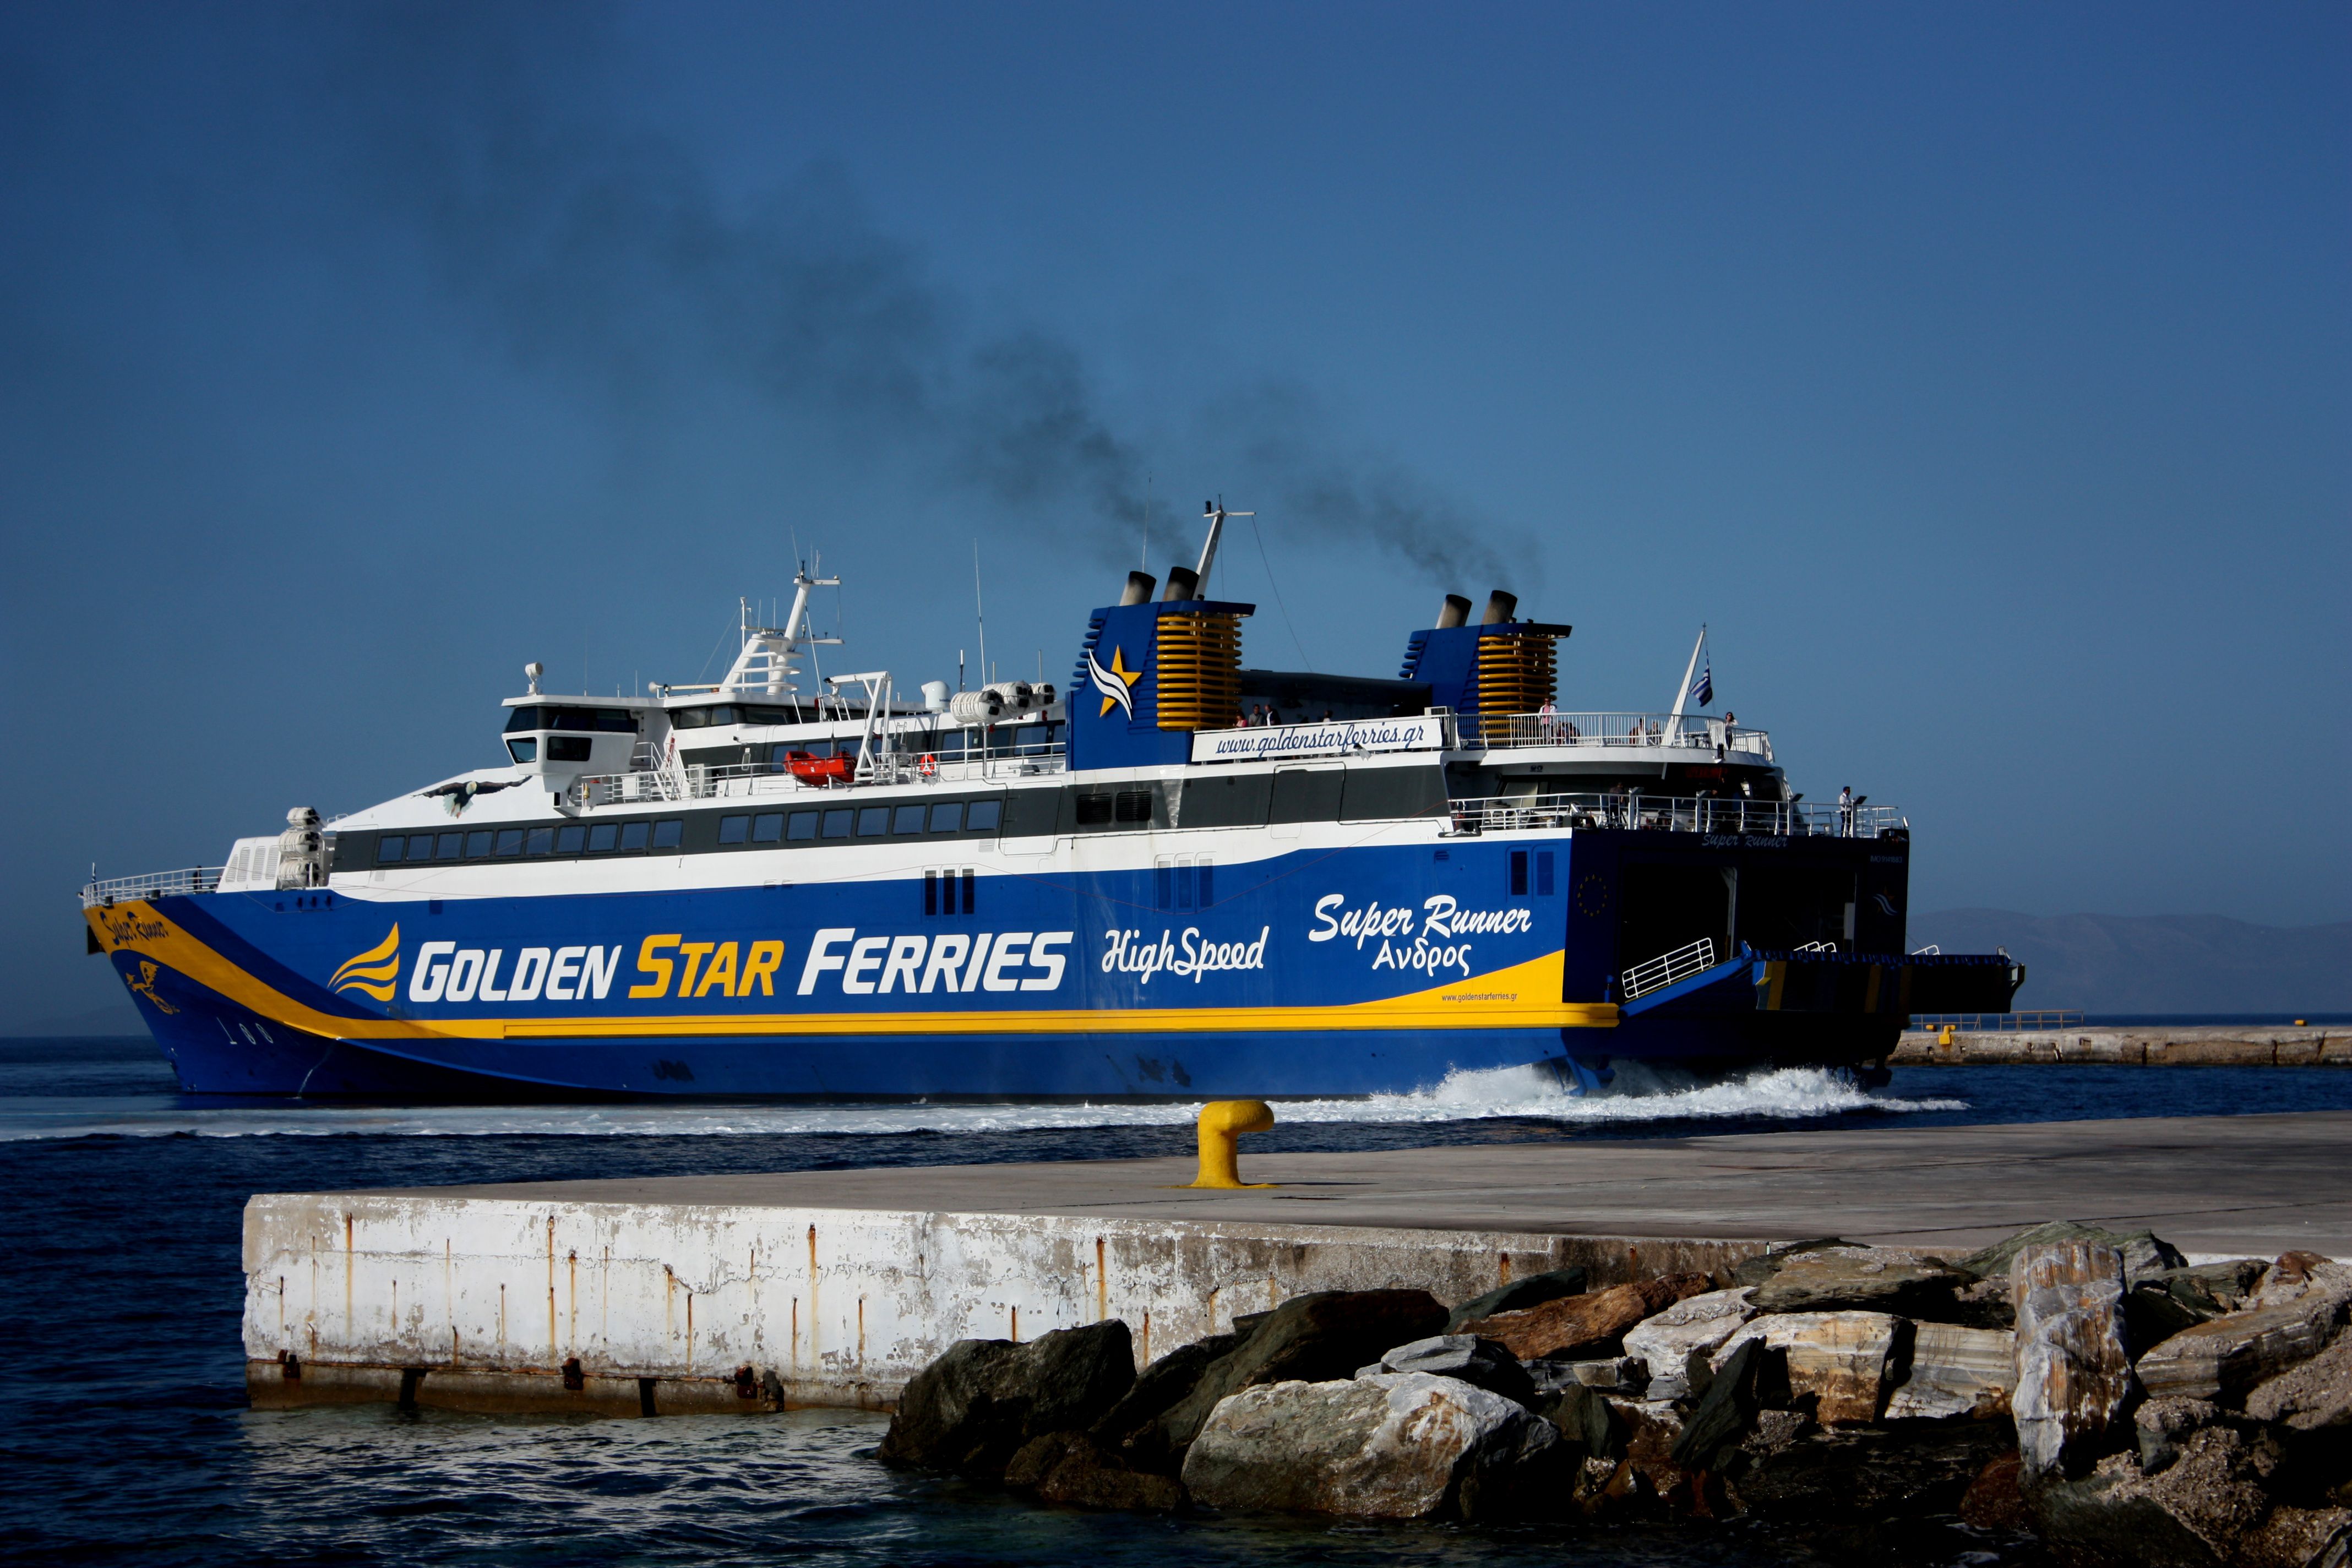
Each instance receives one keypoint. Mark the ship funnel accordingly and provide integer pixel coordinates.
(1138, 588)
(1455, 613)
(1183, 583)
(1499, 607)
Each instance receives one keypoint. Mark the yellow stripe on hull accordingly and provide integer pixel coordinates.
(1523, 997)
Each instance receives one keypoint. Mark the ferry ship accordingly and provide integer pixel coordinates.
(1180, 878)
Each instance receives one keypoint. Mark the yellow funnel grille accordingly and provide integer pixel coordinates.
(1198, 664)
(1515, 676)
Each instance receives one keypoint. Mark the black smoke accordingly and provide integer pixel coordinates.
(603, 254)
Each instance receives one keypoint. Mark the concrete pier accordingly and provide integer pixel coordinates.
(832, 1287)
(2236, 1047)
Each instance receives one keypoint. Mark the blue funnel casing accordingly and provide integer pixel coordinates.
(1121, 655)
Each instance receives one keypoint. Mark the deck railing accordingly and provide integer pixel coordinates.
(1663, 970)
(1999, 1023)
(695, 782)
(1673, 813)
(1620, 730)
(152, 885)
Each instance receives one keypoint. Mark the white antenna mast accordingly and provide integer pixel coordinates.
(980, 614)
(1216, 513)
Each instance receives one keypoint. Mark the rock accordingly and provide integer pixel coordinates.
(2295, 1268)
(1479, 1362)
(1873, 1278)
(2190, 1515)
(1624, 1375)
(1313, 1338)
(1071, 1470)
(2299, 1538)
(2308, 1412)
(1955, 1371)
(1985, 1304)
(2307, 1279)
(1664, 1342)
(1764, 1265)
(1994, 1500)
(1838, 1358)
(2310, 1398)
(1157, 1387)
(2164, 1424)
(1403, 1446)
(1652, 1430)
(2224, 1358)
(1717, 1427)
(1870, 1493)
(1533, 1290)
(975, 1406)
(2073, 1374)
(1586, 1417)
(2144, 1253)
(1580, 1326)
(2214, 1287)
(2161, 1305)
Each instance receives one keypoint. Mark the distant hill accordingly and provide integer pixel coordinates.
(2158, 963)
(120, 1019)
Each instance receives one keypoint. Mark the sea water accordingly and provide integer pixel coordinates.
(128, 1436)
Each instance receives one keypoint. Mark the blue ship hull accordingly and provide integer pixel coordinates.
(1368, 971)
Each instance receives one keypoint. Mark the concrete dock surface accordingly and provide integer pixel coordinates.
(2240, 1185)
(832, 1288)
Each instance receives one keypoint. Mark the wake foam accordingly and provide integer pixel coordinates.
(1637, 1095)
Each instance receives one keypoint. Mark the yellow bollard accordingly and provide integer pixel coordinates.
(1946, 1038)
(1221, 1122)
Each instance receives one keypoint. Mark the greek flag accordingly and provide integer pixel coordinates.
(1702, 690)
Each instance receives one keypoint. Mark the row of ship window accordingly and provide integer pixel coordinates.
(863, 822)
(570, 838)
(809, 826)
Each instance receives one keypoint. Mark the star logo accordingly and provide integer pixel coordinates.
(1115, 684)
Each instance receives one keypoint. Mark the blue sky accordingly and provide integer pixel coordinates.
(1979, 374)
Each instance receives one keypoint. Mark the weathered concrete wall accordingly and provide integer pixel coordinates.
(478, 1302)
(2330, 1047)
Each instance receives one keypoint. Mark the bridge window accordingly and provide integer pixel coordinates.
(525, 750)
(568, 748)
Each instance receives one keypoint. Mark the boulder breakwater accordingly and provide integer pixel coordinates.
(2088, 1391)
(1561, 1330)
(2111, 1045)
